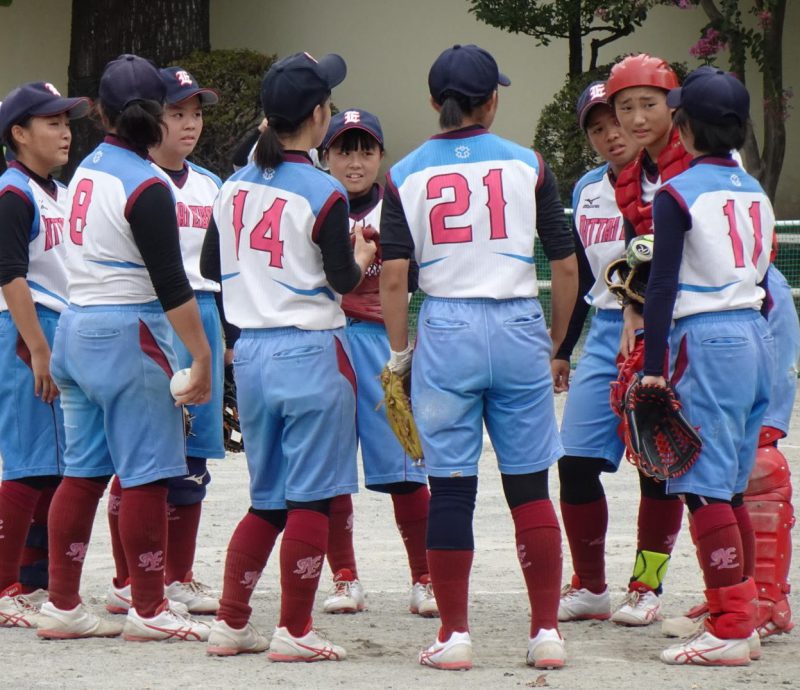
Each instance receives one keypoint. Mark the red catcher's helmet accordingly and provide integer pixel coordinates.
(640, 70)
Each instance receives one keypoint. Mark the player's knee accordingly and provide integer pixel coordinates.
(276, 518)
(450, 514)
(579, 479)
(694, 501)
(37, 537)
(396, 488)
(191, 488)
(524, 488)
(322, 506)
(650, 488)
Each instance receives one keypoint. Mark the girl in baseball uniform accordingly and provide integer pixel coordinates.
(194, 189)
(113, 360)
(34, 124)
(353, 150)
(280, 243)
(466, 206)
(714, 230)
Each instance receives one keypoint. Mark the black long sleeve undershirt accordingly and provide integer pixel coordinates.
(154, 227)
(586, 280)
(16, 219)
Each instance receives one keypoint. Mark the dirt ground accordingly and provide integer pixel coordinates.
(382, 642)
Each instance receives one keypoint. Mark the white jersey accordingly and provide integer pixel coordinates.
(726, 251)
(47, 273)
(271, 265)
(104, 262)
(469, 199)
(194, 199)
(601, 230)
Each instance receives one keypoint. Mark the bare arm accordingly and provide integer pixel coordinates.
(394, 302)
(564, 291)
(185, 319)
(20, 303)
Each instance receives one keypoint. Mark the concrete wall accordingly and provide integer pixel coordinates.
(389, 46)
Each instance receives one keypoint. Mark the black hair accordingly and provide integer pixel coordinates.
(455, 106)
(9, 139)
(355, 139)
(138, 123)
(719, 138)
(269, 148)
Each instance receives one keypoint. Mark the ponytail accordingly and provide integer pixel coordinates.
(269, 149)
(138, 123)
(455, 106)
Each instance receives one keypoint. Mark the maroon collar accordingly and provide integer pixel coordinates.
(297, 157)
(115, 140)
(48, 184)
(462, 133)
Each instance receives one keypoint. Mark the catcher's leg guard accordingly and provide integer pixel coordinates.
(732, 610)
(650, 569)
(768, 498)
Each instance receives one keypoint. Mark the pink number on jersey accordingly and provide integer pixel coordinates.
(80, 209)
(496, 203)
(755, 217)
(733, 232)
(440, 233)
(238, 212)
(266, 235)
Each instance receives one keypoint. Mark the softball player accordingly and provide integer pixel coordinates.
(113, 359)
(713, 230)
(636, 88)
(589, 426)
(280, 241)
(353, 149)
(194, 189)
(34, 123)
(461, 206)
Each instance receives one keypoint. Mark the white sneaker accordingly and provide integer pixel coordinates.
(455, 654)
(706, 649)
(546, 650)
(346, 595)
(36, 598)
(309, 647)
(754, 645)
(118, 599)
(196, 596)
(687, 625)
(579, 604)
(638, 608)
(57, 624)
(422, 601)
(16, 611)
(169, 623)
(223, 640)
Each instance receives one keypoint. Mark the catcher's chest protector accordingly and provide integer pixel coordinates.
(671, 161)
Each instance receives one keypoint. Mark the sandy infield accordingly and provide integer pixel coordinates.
(382, 642)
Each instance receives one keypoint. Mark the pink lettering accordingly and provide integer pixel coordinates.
(53, 232)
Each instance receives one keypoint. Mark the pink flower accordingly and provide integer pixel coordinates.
(709, 45)
(764, 19)
(684, 4)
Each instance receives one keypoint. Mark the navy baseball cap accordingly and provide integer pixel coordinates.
(181, 86)
(293, 86)
(353, 119)
(130, 78)
(468, 70)
(711, 95)
(38, 98)
(594, 94)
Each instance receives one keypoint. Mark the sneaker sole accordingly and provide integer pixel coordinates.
(722, 662)
(231, 651)
(448, 665)
(587, 617)
(348, 609)
(117, 610)
(291, 658)
(60, 635)
(548, 663)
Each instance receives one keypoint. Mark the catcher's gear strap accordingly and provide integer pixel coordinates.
(658, 438)
(768, 499)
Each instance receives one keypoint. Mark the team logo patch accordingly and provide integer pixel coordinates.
(308, 568)
(114, 504)
(349, 525)
(590, 202)
(77, 551)
(250, 579)
(97, 156)
(462, 152)
(184, 78)
(735, 180)
(352, 117)
(523, 556)
(52, 89)
(597, 91)
(152, 561)
(724, 559)
(172, 513)
(268, 174)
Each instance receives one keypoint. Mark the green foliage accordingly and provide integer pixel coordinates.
(236, 75)
(560, 139)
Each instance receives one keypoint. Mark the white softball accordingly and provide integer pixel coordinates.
(179, 381)
(640, 250)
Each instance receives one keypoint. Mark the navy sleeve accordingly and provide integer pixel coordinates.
(671, 223)
(155, 230)
(16, 220)
(333, 238)
(396, 240)
(209, 254)
(586, 280)
(551, 223)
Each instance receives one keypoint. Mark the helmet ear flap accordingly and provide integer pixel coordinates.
(640, 70)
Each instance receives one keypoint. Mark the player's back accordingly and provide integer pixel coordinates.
(469, 198)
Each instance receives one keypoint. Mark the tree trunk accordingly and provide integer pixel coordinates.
(160, 30)
(575, 39)
(774, 105)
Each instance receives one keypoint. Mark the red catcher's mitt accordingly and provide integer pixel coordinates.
(658, 438)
